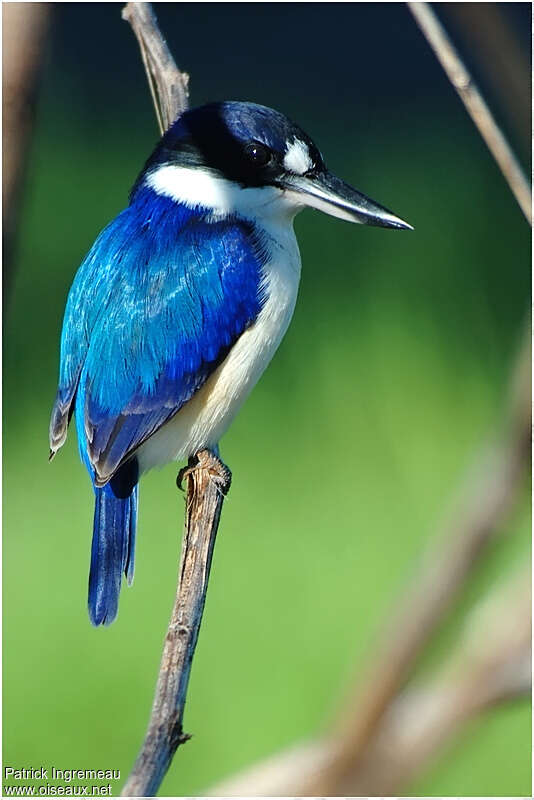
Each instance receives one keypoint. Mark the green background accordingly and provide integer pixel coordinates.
(393, 373)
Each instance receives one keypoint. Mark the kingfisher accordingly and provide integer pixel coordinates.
(181, 303)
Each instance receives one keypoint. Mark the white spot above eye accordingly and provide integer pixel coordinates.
(297, 158)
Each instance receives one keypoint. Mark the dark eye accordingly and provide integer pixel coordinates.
(257, 153)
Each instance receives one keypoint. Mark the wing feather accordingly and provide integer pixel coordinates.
(172, 293)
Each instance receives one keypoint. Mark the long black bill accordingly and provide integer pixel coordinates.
(335, 197)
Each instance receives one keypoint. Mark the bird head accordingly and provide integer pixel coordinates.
(246, 159)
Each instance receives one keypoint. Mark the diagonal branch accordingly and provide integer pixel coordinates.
(208, 481)
(168, 85)
(489, 495)
(475, 104)
(385, 732)
(490, 665)
(506, 67)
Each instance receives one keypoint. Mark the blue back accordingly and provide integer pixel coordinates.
(154, 308)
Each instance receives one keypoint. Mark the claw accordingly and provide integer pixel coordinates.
(185, 472)
(205, 459)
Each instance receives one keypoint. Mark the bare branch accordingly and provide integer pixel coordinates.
(208, 481)
(489, 495)
(168, 85)
(491, 40)
(491, 665)
(339, 763)
(474, 103)
(23, 34)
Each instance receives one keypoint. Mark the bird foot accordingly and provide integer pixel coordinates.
(210, 462)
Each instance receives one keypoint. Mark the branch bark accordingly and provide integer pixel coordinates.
(208, 481)
(169, 86)
(474, 102)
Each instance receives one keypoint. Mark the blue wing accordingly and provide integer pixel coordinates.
(155, 307)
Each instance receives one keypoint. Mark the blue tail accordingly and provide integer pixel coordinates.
(113, 548)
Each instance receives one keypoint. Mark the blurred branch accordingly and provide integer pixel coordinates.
(486, 30)
(372, 740)
(489, 494)
(490, 665)
(24, 27)
(208, 481)
(474, 103)
(168, 85)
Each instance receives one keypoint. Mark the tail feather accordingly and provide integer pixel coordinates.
(113, 548)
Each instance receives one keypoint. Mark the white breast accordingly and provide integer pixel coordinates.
(205, 418)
